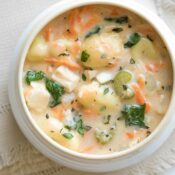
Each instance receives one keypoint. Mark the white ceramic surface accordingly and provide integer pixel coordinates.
(85, 162)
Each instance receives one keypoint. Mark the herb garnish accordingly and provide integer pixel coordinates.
(106, 119)
(84, 56)
(106, 90)
(93, 31)
(68, 135)
(119, 20)
(134, 115)
(56, 90)
(117, 29)
(133, 40)
(34, 76)
(103, 108)
(63, 54)
(83, 77)
(132, 61)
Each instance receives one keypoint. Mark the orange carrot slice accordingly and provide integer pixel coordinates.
(62, 61)
(59, 112)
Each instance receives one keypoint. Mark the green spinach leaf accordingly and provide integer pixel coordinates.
(93, 31)
(133, 40)
(134, 115)
(34, 76)
(56, 91)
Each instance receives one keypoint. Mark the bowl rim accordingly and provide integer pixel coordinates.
(40, 22)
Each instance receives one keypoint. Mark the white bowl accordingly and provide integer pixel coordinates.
(58, 153)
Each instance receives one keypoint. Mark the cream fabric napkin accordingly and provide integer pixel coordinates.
(17, 156)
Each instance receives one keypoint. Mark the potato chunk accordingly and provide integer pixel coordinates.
(102, 49)
(98, 97)
(55, 129)
(144, 49)
(38, 50)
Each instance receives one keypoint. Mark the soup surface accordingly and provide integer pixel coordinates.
(97, 79)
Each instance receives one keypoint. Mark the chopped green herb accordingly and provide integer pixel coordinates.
(83, 77)
(93, 31)
(117, 29)
(119, 20)
(87, 128)
(134, 115)
(132, 61)
(149, 38)
(103, 56)
(80, 127)
(106, 119)
(84, 56)
(68, 135)
(106, 91)
(63, 54)
(56, 90)
(34, 76)
(103, 108)
(133, 40)
(47, 116)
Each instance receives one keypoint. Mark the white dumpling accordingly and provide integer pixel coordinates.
(38, 97)
(96, 97)
(39, 50)
(102, 49)
(55, 129)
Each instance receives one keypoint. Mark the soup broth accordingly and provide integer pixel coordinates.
(97, 79)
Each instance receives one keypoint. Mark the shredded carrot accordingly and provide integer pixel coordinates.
(90, 112)
(27, 92)
(112, 65)
(89, 149)
(154, 67)
(47, 34)
(76, 105)
(130, 135)
(140, 98)
(145, 29)
(65, 62)
(59, 112)
(73, 20)
(75, 49)
(141, 81)
(90, 23)
(148, 107)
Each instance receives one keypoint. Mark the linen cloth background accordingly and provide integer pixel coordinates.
(17, 156)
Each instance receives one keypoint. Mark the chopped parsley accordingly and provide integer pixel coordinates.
(68, 136)
(83, 77)
(117, 29)
(106, 119)
(63, 54)
(132, 61)
(119, 20)
(84, 56)
(47, 116)
(95, 30)
(106, 90)
(34, 76)
(133, 40)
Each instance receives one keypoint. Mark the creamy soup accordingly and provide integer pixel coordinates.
(97, 79)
